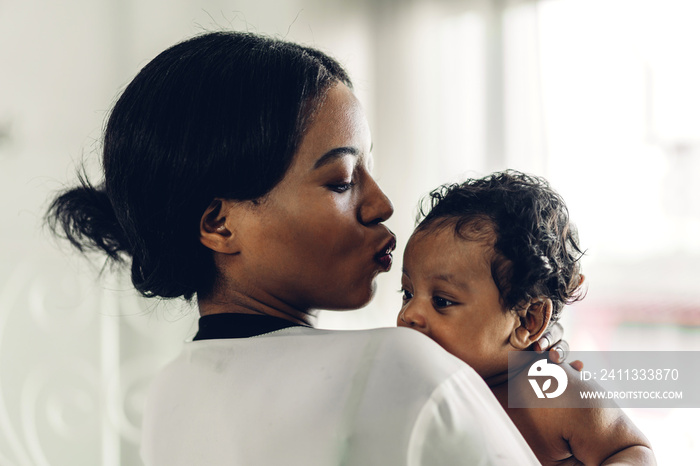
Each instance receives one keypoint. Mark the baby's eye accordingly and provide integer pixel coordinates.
(440, 302)
(406, 295)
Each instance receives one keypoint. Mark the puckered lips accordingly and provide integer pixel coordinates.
(384, 257)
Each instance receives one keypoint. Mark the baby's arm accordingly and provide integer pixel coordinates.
(637, 454)
(604, 435)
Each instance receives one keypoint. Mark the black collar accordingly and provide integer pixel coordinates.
(218, 326)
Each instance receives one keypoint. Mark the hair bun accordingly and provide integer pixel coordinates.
(84, 216)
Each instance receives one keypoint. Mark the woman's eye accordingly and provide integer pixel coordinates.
(406, 295)
(442, 302)
(341, 187)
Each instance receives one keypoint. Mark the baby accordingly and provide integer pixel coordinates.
(489, 267)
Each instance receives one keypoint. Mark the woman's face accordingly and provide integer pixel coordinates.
(317, 240)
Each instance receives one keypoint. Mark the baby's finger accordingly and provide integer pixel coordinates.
(578, 365)
(559, 352)
(553, 335)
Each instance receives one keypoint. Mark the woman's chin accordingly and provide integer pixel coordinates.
(356, 300)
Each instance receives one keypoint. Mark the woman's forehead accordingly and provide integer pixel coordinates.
(338, 128)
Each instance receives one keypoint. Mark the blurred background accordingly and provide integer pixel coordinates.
(599, 96)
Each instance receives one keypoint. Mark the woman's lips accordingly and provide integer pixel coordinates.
(384, 257)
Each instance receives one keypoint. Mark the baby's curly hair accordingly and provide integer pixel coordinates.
(536, 248)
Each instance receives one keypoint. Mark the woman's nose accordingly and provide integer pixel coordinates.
(376, 207)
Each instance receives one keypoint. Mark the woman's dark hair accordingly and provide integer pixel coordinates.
(216, 116)
(537, 250)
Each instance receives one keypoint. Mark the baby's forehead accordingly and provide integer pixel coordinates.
(444, 241)
(442, 250)
(479, 229)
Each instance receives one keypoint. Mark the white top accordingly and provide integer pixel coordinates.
(307, 397)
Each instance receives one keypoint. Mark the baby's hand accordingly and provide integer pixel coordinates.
(559, 350)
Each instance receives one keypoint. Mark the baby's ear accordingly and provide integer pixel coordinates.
(533, 321)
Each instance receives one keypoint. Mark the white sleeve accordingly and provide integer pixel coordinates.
(461, 424)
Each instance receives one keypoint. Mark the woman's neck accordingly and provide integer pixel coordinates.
(240, 303)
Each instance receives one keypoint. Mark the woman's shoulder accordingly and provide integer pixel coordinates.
(402, 341)
(407, 350)
(397, 335)
(407, 355)
(411, 343)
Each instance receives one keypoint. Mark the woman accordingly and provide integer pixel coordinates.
(237, 171)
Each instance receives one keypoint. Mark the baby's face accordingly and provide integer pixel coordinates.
(449, 295)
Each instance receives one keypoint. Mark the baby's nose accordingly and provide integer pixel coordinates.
(412, 317)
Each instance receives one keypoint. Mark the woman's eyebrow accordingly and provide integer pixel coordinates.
(334, 154)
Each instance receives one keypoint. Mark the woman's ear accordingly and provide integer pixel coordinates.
(215, 228)
(533, 321)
